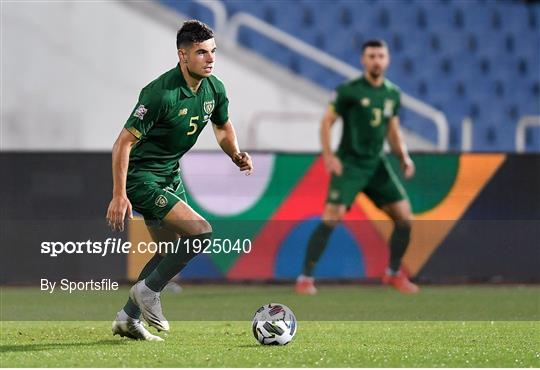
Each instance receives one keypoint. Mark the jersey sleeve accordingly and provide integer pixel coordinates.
(146, 113)
(339, 102)
(220, 115)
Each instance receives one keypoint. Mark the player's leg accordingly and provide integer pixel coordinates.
(158, 234)
(162, 202)
(341, 193)
(400, 213)
(195, 230)
(333, 213)
(127, 322)
(388, 194)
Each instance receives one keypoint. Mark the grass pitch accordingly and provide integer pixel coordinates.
(318, 343)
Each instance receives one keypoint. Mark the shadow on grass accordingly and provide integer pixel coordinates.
(255, 345)
(33, 347)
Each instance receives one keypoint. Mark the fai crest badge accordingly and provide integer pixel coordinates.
(161, 201)
(208, 106)
(140, 112)
(388, 107)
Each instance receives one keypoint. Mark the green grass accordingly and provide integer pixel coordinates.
(317, 344)
(338, 303)
(222, 335)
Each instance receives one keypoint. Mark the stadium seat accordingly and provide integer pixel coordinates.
(422, 89)
(269, 15)
(535, 89)
(518, 18)
(288, 20)
(439, 16)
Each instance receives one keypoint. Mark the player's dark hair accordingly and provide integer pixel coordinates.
(193, 31)
(374, 43)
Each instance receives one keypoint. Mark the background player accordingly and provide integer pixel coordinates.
(369, 107)
(171, 113)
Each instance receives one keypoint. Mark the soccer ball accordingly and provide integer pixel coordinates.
(274, 323)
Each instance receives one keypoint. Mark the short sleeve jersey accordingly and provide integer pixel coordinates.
(366, 111)
(168, 119)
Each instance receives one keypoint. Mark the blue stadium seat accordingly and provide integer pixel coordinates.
(528, 105)
(526, 49)
(535, 91)
(444, 18)
(454, 43)
(192, 10)
(440, 90)
(417, 46)
(534, 19)
(532, 140)
(478, 21)
(456, 109)
(517, 18)
(289, 20)
(404, 18)
(325, 17)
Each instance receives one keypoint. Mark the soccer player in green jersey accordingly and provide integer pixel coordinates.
(169, 116)
(369, 107)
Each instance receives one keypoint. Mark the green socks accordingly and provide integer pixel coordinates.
(317, 244)
(173, 263)
(319, 239)
(398, 244)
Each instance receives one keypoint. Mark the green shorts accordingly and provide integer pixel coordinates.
(376, 179)
(154, 196)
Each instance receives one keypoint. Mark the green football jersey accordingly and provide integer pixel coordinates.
(168, 119)
(366, 111)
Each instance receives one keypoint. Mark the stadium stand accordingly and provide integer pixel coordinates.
(472, 59)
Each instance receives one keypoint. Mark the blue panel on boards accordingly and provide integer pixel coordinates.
(340, 259)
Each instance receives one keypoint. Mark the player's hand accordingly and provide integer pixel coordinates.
(117, 211)
(244, 162)
(333, 164)
(408, 168)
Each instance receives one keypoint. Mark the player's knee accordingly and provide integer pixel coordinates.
(201, 227)
(332, 217)
(208, 229)
(330, 222)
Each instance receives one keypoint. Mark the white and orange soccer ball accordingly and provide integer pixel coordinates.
(274, 323)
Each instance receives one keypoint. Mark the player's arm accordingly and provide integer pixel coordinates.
(331, 161)
(226, 138)
(120, 203)
(398, 146)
